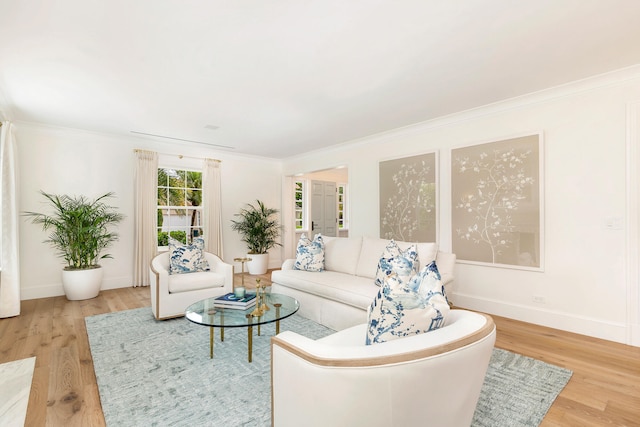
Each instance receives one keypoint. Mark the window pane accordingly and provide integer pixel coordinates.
(160, 218)
(176, 197)
(179, 235)
(299, 204)
(194, 179)
(192, 217)
(162, 196)
(163, 180)
(176, 178)
(194, 197)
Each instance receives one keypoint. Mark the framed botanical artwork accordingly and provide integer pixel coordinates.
(408, 198)
(497, 203)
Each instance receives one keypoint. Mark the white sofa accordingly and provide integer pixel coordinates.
(172, 294)
(431, 379)
(339, 296)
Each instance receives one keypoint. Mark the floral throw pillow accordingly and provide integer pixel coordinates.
(391, 252)
(407, 307)
(187, 258)
(310, 254)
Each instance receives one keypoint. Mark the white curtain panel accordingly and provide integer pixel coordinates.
(10, 275)
(211, 207)
(146, 216)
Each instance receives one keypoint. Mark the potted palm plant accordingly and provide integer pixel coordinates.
(80, 232)
(259, 229)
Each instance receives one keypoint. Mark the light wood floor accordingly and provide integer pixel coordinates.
(603, 391)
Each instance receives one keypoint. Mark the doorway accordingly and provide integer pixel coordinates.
(315, 202)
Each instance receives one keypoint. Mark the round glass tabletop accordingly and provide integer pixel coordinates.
(206, 313)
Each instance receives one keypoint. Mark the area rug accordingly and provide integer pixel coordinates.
(158, 373)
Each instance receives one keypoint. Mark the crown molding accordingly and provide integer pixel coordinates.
(545, 95)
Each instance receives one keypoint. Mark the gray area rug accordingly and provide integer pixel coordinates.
(158, 373)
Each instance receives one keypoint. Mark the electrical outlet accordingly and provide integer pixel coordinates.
(614, 223)
(539, 299)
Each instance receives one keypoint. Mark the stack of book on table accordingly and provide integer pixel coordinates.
(231, 301)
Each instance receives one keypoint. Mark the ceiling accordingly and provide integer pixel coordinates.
(277, 78)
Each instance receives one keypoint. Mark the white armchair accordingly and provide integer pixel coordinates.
(172, 294)
(428, 379)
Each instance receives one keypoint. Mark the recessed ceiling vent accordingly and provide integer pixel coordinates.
(184, 140)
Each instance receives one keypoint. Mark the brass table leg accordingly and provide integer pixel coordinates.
(277, 306)
(250, 336)
(210, 342)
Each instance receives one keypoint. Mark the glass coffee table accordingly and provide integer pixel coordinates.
(205, 313)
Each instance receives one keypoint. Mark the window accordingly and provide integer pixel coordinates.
(299, 207)
(179, 205)
(343, 219)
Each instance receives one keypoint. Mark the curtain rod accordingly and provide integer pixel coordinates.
(180, 156)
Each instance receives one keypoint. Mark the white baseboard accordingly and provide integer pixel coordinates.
(55, 289)
(634, 335)
(592, 327)
(43, 291)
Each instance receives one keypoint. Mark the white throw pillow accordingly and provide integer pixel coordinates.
(407, 307)
(391, 252)
(310, 254)
(187, 258)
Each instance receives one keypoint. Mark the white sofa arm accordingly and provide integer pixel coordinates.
(288, 264)
(159, 271)
(446, 262)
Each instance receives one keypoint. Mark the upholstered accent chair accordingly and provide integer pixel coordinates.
(428, 379)
(171, 294)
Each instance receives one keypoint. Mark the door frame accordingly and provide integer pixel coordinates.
(633, 223)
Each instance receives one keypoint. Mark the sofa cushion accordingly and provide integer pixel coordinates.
(404, 308)
(351, 290)
(341, 253)
(392, 254)
(187, 258)
(373, 247)
(310, 254)
(195, 281)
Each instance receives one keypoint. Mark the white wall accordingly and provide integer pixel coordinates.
(584, 283)
(67, 161)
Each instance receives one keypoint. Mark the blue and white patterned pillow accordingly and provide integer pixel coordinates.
(187, 258)
(310, 254)
(407, 307)
(428, 284)
(392, 251)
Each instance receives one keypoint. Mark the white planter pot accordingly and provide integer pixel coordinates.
(258, 264)
(82, 284)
